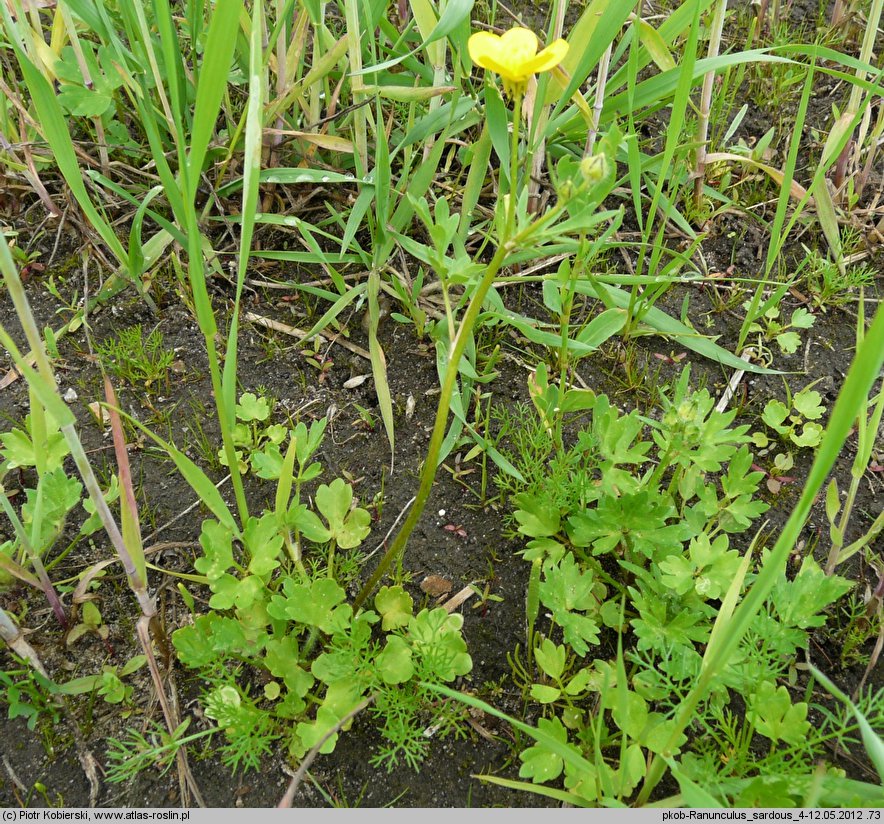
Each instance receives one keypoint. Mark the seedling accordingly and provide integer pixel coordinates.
(136, 359)
(256, 440)
(794, 420)
(90, 623)
(771, 327)
(830, 286)
(777, 476)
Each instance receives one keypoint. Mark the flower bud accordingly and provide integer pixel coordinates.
(594, 168)
(566, 190)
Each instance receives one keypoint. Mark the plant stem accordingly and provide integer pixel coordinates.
(459, 345)
(428, 473)
(514, 167)
(705, 103)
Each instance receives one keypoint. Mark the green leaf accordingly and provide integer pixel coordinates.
(788, 342)
(301, 518)
(800, 602)
(263, 541)
(212, 639)
(311, 605)
(436, 640)
(810, 436)
(775, 716)
(241, 593)
(217, 544)
(775, 412)
(395, 606)
(340, 700)
(638, 521)
(551, 658)
(544, 694)
(539, 763)
(267, 464)
(568, 592)
(808, 404)
(802, 319)
(631, 714)
(282, 659)
(394, 661)
(536, 518)
(252, 408)
(347, 527)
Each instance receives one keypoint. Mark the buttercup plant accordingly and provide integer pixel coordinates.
(580, 192)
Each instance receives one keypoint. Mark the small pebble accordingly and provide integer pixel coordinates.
(70, 395)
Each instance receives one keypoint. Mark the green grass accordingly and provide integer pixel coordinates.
(366, 166)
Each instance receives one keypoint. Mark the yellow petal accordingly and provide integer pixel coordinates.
(549, 58)
(486, 51)
(482, 45)
(519, 44)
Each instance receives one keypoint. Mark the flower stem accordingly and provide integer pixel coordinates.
(514, 166)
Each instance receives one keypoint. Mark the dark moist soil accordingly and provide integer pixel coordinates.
(477, 550)
(60, 763)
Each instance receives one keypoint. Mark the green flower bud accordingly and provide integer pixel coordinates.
(594, 168)
(566, 190)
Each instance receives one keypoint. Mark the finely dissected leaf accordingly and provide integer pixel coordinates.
(871, 740)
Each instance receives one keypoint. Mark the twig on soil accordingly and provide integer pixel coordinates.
(19, 785)
(16, 640)
(383, 543)
(180, 515)
(295, 332)
(733, 383)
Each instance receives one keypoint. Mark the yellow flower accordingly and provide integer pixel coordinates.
(514, 56)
